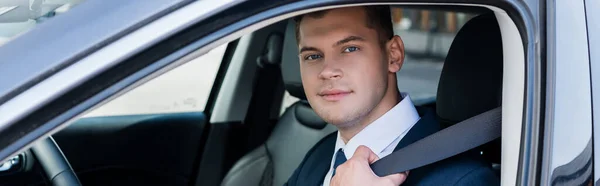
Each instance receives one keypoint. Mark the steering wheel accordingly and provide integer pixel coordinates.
(55, 165)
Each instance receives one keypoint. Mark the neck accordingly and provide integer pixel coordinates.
(391, 98)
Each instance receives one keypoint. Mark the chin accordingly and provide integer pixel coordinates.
(337, 116)
(335, 121)
(343, 125)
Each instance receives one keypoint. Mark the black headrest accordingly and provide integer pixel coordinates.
(290, 67)
(471, 79)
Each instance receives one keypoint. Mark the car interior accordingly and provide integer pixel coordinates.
(461, 95)
(256, 142)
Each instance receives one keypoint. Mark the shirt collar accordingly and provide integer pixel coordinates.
(384, 130)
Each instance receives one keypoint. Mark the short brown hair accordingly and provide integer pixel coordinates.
(378, 18)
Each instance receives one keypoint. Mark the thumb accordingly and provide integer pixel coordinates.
(397, 178)
(365, 152)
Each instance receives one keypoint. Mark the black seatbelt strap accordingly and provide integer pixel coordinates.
(456, 139)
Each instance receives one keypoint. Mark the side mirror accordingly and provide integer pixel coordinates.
(12, 11)
(19, 163)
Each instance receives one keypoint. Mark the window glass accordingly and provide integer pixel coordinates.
(427, 37)
(19, 16)
(183, 89)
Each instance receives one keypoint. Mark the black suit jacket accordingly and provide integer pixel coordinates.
(465, 169)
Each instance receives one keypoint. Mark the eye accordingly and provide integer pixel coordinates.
(312, 57)
(351, 49)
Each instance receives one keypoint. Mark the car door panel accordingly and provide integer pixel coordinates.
(136, 149)
(568, 158)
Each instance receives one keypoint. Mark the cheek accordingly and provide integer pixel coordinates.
(369, 75)
(366, 68)
(309, 78)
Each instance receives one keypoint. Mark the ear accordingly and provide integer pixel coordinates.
(395, 48)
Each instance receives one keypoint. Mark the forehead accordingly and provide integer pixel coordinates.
(337, 22)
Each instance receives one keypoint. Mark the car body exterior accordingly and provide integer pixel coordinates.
(48, 79)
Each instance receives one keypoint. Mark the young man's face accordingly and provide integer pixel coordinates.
(345, 69)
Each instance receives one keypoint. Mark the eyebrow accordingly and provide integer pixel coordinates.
(340, 42)
(348, 39)
(304, 49)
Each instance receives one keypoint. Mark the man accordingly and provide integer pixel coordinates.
(348, 62)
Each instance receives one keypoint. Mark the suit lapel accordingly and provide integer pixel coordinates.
(317, 164)
(426, 126)
(319, 172)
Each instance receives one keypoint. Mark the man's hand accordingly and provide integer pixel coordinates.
(356, 171)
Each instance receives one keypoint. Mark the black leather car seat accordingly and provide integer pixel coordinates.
(471, 79)
(298, 129)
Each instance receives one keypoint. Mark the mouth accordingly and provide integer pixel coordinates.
(334, 94)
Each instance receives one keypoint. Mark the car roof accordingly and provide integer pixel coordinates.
(70, 36)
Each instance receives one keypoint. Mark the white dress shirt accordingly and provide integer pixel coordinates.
(382, 135)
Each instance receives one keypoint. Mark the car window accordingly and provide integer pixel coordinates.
(183, 89)
(427, 36)
(19, 16)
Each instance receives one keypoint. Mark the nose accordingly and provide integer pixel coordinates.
(331, 70)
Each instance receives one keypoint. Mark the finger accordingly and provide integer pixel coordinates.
(363, 152)
(396, 179)
(334, 181)
(373, 157)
